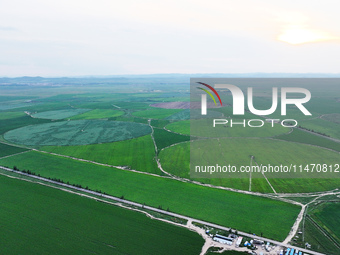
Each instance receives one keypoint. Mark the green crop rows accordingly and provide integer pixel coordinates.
(185, 198)
(36, 219)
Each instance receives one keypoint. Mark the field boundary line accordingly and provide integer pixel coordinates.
(317, 146)
(266, 178)
(327, 137)
(323, 231)
(156, 151)
(15, 145)
(15, 154)
(97, 163)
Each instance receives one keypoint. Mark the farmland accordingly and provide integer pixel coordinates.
(159, 123)
(77, 132)
(50, 221)
(156, 113)
(301, 136)
(109, 121)
(98, 114)
(59, 114)
(329, 215)
(321, 226)
(11, 115)
(6, 150)
(165, 138)
(322, 126)
(183, 198)
(135, 153)
(334, 117)
(182, 127)
(176, 161)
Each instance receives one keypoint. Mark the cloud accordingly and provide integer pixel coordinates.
(112, 37)
(297, 28)
(11, 29)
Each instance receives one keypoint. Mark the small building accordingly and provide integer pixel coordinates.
(238, 241)
(257, 241)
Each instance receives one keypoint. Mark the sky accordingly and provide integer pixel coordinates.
(109, 37)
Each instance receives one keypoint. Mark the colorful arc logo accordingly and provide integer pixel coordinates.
(204, 98)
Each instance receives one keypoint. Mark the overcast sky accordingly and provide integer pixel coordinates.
(106, 37)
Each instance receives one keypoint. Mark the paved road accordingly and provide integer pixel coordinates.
(160, 211)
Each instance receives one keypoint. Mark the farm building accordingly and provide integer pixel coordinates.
(223, 239)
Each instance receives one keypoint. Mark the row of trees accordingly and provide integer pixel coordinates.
(312, 130)
(57, 180)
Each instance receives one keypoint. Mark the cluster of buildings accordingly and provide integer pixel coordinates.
(266, 247)
(291, 251)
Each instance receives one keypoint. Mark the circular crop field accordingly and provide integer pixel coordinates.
(77, 132)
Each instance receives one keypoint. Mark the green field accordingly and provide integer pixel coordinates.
(164, 138)
(77, 132)
(11, 115)
(13, 123)
(333, 117)
(188, 114)
(329, 216)
(98, 114)
(46, 106)
(130, 119)
(131, 105)
(214, 205)
(138, 153)
(175, 160)
(159, 123)
(302, 136)
(59, 114)
(4, 106)
(158, 113)
(317, 239)
(326, 127)
(182, 115)
(182, 127)
(6, 150)
(36, 219)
